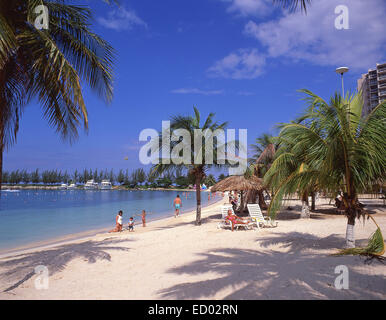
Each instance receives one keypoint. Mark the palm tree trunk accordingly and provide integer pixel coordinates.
(313, 201)
(1, 155)
(305, 206)
(2, 128)
(198, 198)
(350, 239)
(351, 212)
(242, 202)
(262, 203)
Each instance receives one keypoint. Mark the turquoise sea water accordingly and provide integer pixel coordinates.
(29, 216)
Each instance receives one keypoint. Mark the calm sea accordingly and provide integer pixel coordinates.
(29, 216)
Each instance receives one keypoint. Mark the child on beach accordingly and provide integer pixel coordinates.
(118, 222)
(143, 218)
(131, 224)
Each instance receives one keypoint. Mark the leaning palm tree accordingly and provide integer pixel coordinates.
(332, 147)
(49, 65)
(190, 124)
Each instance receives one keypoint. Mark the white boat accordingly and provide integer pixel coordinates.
(106, 185)
(63, 186)
(91, 185)
(72, 186)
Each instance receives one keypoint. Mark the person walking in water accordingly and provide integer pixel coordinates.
(143, 218)
(177, 205)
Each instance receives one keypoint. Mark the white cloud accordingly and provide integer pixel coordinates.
(197, 91)
(250, 7)
(314, 38)
(242, 64)
(121, 19)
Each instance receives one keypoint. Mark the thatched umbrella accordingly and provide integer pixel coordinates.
(239, 183)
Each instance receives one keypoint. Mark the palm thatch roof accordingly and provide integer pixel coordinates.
(239, 183)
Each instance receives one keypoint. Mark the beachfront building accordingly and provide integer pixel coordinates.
(373, 86)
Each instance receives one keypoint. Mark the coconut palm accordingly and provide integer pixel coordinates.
(293, 5)
(49, 66)
(191, 123)
(283, 174)
(332, 147)
(259, 163)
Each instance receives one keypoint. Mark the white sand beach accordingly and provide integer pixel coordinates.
(174, 259)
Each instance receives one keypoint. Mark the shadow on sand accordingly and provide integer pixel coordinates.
(20, 268)
(299, 273)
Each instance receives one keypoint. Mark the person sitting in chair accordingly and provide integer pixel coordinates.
(233, 219)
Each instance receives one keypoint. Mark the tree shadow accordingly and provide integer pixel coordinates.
(20, 268)
(268, 274)
(191, 222)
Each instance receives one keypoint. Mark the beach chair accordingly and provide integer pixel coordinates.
(224, 210)
(257, 216)
(226, 224)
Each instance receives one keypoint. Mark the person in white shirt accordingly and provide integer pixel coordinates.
(119, 222)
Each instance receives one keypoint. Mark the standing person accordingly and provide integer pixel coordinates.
(143, 218)
(177, 205)
(118, 222)
(131, 224)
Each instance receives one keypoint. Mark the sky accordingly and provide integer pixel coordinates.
(243, 60)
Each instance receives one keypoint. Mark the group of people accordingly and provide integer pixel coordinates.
(119, 222)
(177, 203)
(233, 199)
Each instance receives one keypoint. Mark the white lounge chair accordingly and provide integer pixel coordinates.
(257, 216)
(225, 224)
(224, 210)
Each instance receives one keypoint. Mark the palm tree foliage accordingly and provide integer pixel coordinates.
(50, 65)
(331, 147)
(191, 123)
(294, 5)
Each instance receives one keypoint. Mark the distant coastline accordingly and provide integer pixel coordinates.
(58, 187)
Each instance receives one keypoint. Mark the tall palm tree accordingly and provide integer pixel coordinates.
(191, 123)
(294, 5)
(50, 66)
(337, 149)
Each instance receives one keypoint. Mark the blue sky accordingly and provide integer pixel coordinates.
(241, 59)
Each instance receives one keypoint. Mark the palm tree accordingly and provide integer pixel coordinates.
(337, 149)
(191, 123)
(293, 5)
(264, 153)
(49, 65)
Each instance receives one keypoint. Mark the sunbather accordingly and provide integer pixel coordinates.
(235, 219)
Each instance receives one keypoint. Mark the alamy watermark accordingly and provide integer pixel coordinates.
(42, 19)
(342, 20)
(176, 147)
(342, 280)
(42, 279)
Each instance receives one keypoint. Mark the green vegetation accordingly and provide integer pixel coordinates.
(331, 148)
(136, 179)
(198, 171)
(50, 66)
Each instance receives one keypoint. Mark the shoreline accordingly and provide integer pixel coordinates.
(174, 259)
(88, 235)
(114, 188)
